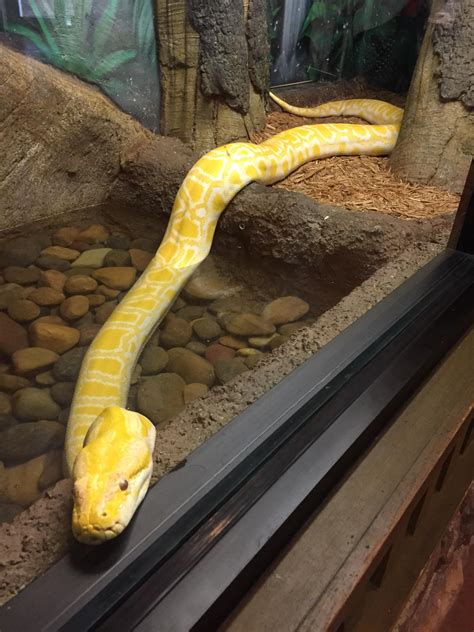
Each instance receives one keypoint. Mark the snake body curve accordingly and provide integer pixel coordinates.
(109, 450)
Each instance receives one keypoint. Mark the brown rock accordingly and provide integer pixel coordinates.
(194, 391)
(68, 254)
(93, 234)
(277, 340)
(116, 278)
(232, 342)
(286, 309)
(248, 325)
(9, 292)
(22, 276)
(252, 360)
(12, 335)
(160, 398)
(107, 292)
(140, 258)
(53, 279)
(23, 310)
(88, 333)
(54, 337)
(206, 329)
(52, 319)
(12, 383)
(21, 483)
(92, 259)
(226, 370)
(33, 360)
(249, 351)
(191, 367)
(96, 300)
(290, 328)
(176, 332)
(217, 352)
(104, 311)
(74, 307)
(45, 379)
(5, 404)
(65, 236)
(46, 296)
(80, 284)
(260, 342)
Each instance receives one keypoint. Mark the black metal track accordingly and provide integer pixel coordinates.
(180, 526)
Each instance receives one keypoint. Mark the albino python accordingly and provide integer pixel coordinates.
(109, 450)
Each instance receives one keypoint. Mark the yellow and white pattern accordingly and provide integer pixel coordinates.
(109, 450)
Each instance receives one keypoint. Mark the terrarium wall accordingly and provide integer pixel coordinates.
(328, 40)
(108, 43)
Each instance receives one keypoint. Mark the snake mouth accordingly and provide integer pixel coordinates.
(94, 534)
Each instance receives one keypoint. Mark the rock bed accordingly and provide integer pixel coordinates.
(57, 290)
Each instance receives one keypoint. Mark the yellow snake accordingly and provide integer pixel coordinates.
(109, 450)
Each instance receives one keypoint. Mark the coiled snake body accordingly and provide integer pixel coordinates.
(109, 450)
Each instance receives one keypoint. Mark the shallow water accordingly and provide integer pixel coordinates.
(57, 289)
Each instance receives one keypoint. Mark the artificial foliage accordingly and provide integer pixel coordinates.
(77, 40)
(372, 38)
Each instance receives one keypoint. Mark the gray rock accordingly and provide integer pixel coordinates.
(34, 403)
(8, 511)
(63, 417)
(68, 366)
(6, 421)
(191, 312)
(153, 360)
(27, 440)
(117, 258)
(119, 242)
(20, 252)
(143, 243)
(49, 262)
(197, 347)
(62, 393)
(226, 370)
(206, 329)
(161, 398)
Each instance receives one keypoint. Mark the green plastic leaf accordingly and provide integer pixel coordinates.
(111, 62)
(373, 14)
(47, 35)
(317, 10)
(104, 27)
(34, 37)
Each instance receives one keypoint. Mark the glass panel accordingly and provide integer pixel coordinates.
(327, 40)
(110, 43)
(87, 187)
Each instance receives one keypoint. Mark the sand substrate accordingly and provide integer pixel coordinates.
(39, 536)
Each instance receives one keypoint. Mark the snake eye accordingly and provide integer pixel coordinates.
(123, 484)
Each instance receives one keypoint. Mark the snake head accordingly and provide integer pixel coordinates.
(111, 474)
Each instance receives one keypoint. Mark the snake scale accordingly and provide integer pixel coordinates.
(109, 449)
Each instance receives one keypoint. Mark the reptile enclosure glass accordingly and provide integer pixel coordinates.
(292, 346)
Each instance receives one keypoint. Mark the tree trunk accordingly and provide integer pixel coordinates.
(214, 69)
(436, 141)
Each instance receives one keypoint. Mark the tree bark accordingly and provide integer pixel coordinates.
(436, 141)
(214, 69)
